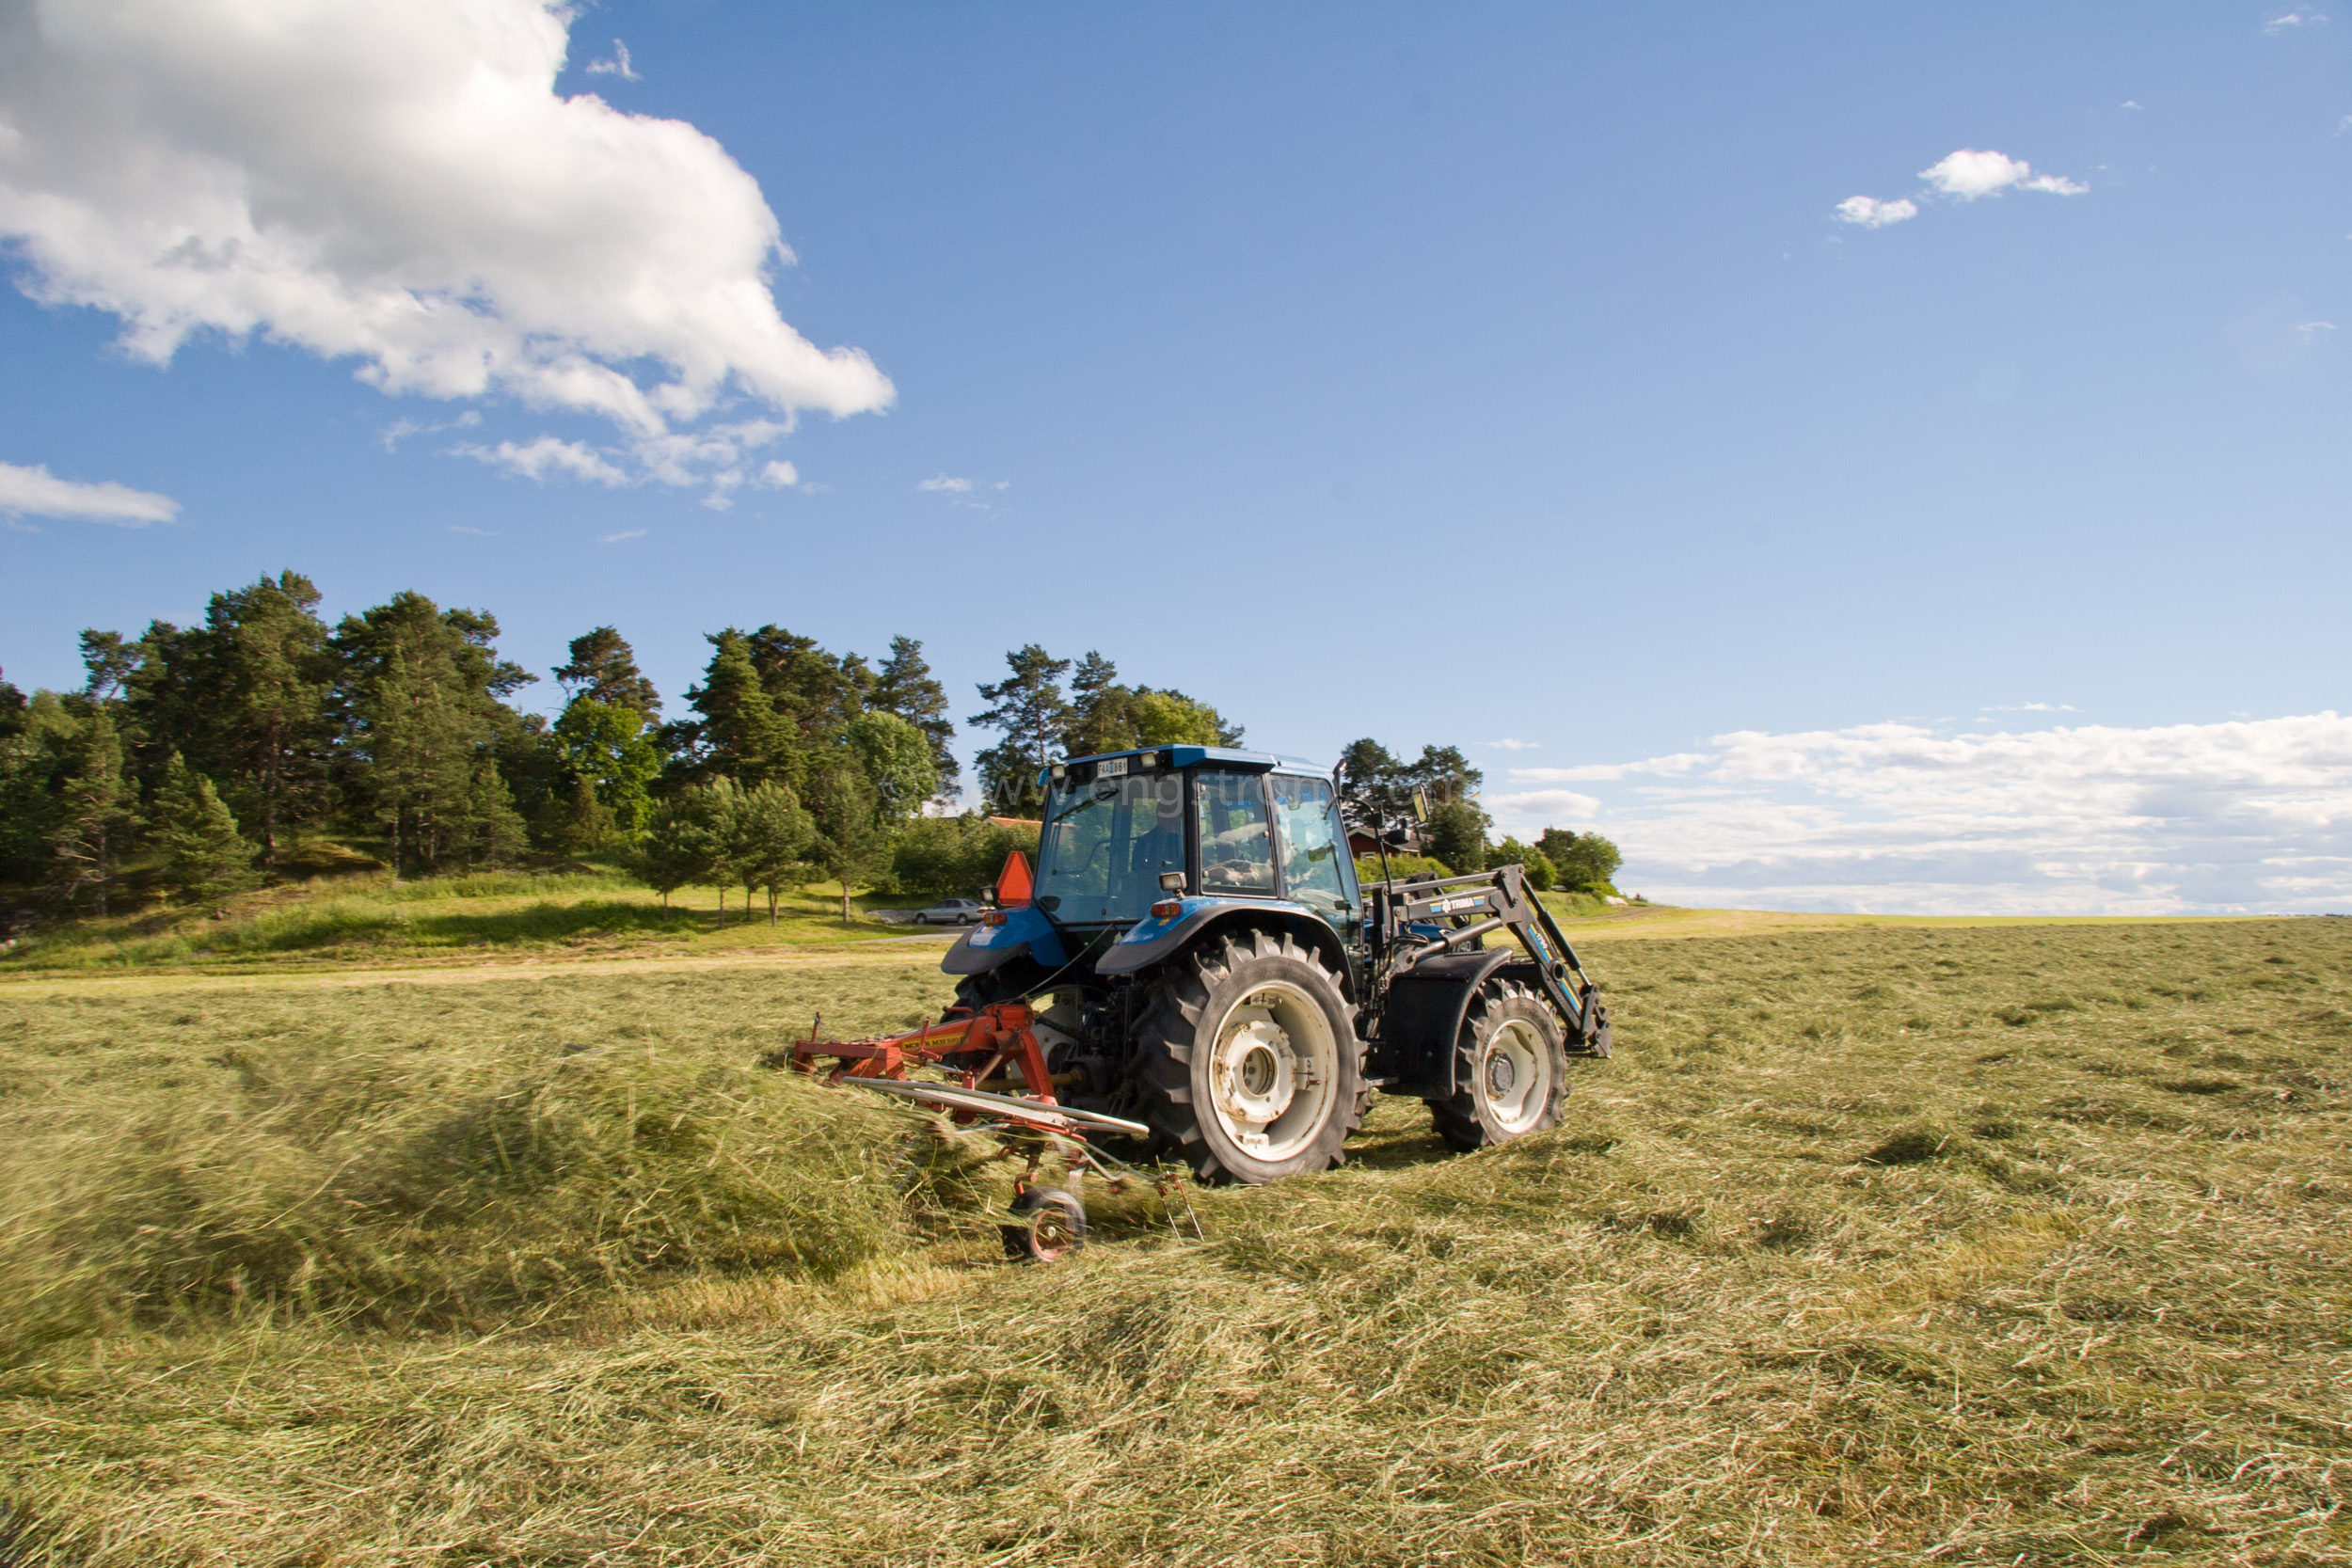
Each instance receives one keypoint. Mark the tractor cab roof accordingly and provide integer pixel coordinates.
(1191, 756)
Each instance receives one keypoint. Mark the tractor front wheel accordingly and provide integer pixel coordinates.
(1250, 1064)
(1511, 1067)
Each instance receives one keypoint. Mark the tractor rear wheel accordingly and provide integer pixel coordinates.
(1512, 1067)
(1250, 1065)
(1008, 982)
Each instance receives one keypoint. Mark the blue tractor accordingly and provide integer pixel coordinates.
(1202, 963)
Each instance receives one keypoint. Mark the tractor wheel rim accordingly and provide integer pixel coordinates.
(1515, 1070)
(1274, 1071)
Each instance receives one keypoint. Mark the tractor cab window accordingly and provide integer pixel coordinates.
(1310, 820)
(1236, 849)
(1107, 838)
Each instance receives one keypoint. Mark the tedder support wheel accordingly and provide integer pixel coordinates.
(1250, 1065)
(1053, 1225)
(1512, 1066)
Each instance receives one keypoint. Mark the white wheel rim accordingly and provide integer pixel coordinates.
(1513, 1076)
(1274, 1071)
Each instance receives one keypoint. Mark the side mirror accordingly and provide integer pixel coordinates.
(1396, 838)
(1421, 805)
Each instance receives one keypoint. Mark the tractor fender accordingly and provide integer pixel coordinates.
(1151, 942)
(985, 947)
(1422, 1019)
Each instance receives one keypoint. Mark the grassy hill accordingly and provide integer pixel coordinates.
(2015, 1244)
(367, 916)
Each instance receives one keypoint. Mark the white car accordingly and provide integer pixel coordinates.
(950, 911)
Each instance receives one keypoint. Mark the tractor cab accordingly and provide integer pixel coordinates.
(1131, 830)
(1141, 849)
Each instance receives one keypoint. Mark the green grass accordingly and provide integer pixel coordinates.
(373, 918)
(2018, 1244)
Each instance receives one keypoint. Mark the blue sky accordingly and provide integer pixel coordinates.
(1463, 374)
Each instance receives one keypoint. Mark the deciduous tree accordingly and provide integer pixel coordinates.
(852, 845)
(768, 841)
(610, 749)
(1586, 861)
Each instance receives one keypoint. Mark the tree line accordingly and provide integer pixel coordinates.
(208, 752)
(1377, 787)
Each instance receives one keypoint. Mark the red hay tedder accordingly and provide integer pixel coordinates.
(996, 1045)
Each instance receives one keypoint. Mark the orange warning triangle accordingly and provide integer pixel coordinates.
(1014, 886)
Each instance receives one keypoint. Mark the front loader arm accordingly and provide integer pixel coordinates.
(1493, 901)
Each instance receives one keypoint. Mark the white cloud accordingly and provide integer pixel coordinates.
(780, 476)
(397, 185)
(2030, 707)
(2247, 816)
(715, 456)
(617, 66)
(2282, 21)
(477, 533)
(1532, 809)
(400, 430)
(1871, 213)
(1516, 744)
(943, 482)
(622, 537)
(2130, 103)
(2313, 331)
(546, 455)
(1969, 174)
(37, 491)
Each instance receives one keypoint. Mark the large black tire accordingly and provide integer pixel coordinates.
(1007, 982)
(1512, 1066)
(1250, 1065)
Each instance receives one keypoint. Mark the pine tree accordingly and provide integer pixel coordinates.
(1031, 712)
(815, 692)
(585, 826)
(96, 819)
(206, 858)
(420, 695)
(242, 698)
(680, 847)
(604, 666)
(905, 685)
(741, 736)
(1102, 711)
(12, 706)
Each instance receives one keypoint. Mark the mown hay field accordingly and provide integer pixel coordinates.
(2023, 1244)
